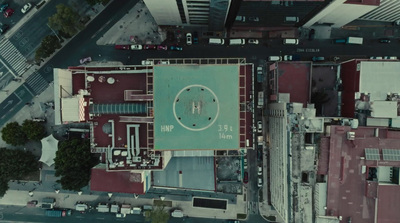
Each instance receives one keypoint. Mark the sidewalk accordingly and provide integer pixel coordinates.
(136, 27)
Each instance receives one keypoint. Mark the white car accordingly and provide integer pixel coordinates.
(259, 126)
(136, 47)
(188, 38)
(26, 8)
(259, 171)
(147, 62)
(85, 60)
(260, 182)
(163, 62)
(253, 41)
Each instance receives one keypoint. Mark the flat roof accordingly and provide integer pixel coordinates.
(294, 78)
(118, 182)
(350, 193)
(378, 78)
(196, 102)
(187, 173)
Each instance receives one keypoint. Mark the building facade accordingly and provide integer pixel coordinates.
(201, 13)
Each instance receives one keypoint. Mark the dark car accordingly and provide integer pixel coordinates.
(311, 35)
(123, 47)
(178, 48)
(3, 7)
(195, 38)
(8, 12)
(162, 47)
(318, 59)
(246, 178)
(150, 47)
(3, 28)
(384, 40)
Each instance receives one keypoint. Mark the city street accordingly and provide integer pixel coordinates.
(30, 215)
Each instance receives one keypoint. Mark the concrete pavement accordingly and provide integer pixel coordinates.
(136, 27)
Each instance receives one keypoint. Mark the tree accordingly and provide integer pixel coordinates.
(13, 134)
(48, 45)
(14, 165)
(33, 130)
(73, 163)
(157, 215)
(65, 20)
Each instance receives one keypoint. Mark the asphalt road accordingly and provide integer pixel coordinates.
(33, 215)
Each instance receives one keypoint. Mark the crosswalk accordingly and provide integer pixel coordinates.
(252, 207)
(10, 54)
(37, 83)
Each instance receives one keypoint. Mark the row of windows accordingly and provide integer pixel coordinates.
(201, 1)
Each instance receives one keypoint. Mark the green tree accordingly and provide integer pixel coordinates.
(48, 45)
(13, 134)
(14, 165)
(33, 130)
(157, 215)
(73, 163)
(65, 20)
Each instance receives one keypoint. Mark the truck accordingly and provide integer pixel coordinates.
(57, 213)
(260, 99)
(350, 40)
(354, 40)
(260, 74)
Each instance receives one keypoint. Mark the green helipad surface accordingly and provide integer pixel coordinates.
(196, 107)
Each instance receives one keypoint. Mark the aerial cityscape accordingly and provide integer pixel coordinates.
(214, 111)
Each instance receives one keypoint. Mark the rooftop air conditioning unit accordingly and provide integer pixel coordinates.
(351, 135)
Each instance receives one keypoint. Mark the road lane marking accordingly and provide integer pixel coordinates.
(95, 34)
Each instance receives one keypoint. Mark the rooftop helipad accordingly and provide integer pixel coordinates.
(196, 107)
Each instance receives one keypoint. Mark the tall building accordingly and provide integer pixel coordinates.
(292, 123)
(201, 13)
(341, 12)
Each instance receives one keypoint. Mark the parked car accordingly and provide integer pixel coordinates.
(253, 41)
(254, 19)
(85, 60)
(3, 28)
(246, 177)
(384, 40)
(240, 18)
(390, 57)
(260, 182)
(259, 171)
(311, 35)
(123, 47)
(26, 8)
(195, 38)
(147, 62)
(3, 7)
(136, 47)
(162, 47)
(8, 12)
(150, 47)
(188, 38)
(291, 57)
(176, 47)
(259, 126)
(163, 62)
(376, 58)
(318, 59)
